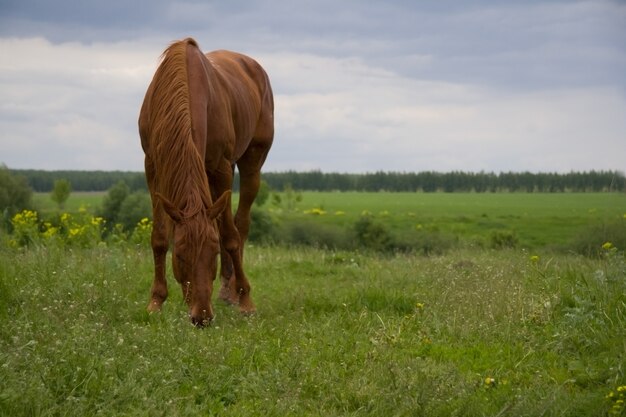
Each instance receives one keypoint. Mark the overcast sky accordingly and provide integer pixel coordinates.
(359, 86)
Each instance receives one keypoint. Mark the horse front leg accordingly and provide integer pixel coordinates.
(159, 243)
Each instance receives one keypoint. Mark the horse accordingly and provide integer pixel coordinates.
(202, 115)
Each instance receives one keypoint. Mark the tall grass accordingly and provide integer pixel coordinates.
(472, 333)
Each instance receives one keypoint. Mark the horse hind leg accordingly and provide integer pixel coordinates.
(250, 180)
(237, 284)
(228, 289)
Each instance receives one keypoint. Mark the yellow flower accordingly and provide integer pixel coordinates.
(490, 382)
(534, 258)
(419, 306)
(621, 388)
(607, 246)
(317, 211)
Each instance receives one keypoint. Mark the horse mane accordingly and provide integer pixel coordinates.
(180, 172)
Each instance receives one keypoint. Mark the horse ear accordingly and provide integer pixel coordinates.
(218, 207)
(170, 208)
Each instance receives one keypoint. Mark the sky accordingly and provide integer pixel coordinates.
(359, 86)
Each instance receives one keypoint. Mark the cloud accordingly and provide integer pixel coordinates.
(359, 86)
(72, 104)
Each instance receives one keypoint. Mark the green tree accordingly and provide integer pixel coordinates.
(135, 207)
(15, 193)
(113, 201)
(60, 192)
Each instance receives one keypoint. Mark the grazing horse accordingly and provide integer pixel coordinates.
(201, 116)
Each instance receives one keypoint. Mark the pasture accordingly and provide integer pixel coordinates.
(538, 220)
(473, 332)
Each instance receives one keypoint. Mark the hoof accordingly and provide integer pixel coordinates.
(246, 306)
(225, 295)
(154, 306)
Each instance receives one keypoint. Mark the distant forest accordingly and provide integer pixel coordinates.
(428, 181)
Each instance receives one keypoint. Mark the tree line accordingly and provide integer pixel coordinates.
(426, 181)
(43, 181)
(457, 181)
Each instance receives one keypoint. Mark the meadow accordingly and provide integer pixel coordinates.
(475, 331)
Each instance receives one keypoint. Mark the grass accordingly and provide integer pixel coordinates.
(536, 220)
(472, 333)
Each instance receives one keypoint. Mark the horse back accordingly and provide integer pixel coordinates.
(248, 92)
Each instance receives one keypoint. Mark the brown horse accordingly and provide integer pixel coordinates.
(201, 116)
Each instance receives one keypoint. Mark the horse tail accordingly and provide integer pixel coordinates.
(174, 152)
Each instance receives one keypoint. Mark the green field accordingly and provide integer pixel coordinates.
(539, 220)
(89, 200)
(536, 220)
(470, 332)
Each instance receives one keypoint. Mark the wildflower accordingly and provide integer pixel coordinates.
(607, 246)
(49, 231)
(316, 211)
(534, 259)
(490, 382)
(419, 306)
(617, 400)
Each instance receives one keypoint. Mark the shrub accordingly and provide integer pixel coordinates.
(262, 226)
(373, 235)
(502, 239)
(82, 229)
(133, 209)
(305, 233)
(25, 228)
(427, 243)
(591, 238)
(113, 201)
(15, 194)
(142, 232)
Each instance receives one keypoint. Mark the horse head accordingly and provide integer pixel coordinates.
(194, 255)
